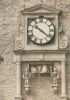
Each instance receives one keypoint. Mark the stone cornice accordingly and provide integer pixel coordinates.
(41, 51)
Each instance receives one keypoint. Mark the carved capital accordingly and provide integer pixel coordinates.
(16, 58)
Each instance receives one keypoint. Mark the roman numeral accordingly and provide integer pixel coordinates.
(30, 27)
(33, 24)
(45, 21)
(50, 36)
(40, 41)
(29, 31)
(41, 20)
(35, 40)
(46, 40)
(50, 25)
(31, 36)
(35, 21)
(51, 30)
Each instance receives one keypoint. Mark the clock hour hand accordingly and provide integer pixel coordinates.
(40, 30)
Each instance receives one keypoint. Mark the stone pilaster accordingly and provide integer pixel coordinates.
(63, 81)
(18, 77)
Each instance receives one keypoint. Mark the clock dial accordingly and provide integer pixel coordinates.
(41, 30)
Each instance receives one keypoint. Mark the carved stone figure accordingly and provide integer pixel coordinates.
(26, 77)
(56, 78)
(63, 41)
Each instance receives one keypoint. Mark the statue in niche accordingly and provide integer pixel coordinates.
(56, 75)
(26, 77)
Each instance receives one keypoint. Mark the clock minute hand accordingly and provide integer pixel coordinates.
(40, 30)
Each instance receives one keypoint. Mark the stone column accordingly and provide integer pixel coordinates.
(18, 77)
(63, 81)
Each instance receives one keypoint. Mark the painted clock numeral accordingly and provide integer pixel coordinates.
(51, 30)
(35, 21)
(30, 27)
(29, 31)
(50, 35)
(41, 20)
(48, 38)
(35, 39)
(44, 20)
(31, 36)
(51, 26)
(44, 40)
(40, 41)
(33, 24)
(48, 23)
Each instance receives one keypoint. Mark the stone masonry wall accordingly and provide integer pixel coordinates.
(9, 28)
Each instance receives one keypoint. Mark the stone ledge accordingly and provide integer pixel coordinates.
(20, 51)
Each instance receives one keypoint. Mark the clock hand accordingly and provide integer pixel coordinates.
(40, 30)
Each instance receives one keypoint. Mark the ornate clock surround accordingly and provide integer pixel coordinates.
(35, 12)
(25, 52)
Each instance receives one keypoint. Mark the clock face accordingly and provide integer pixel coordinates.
(40, 30)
